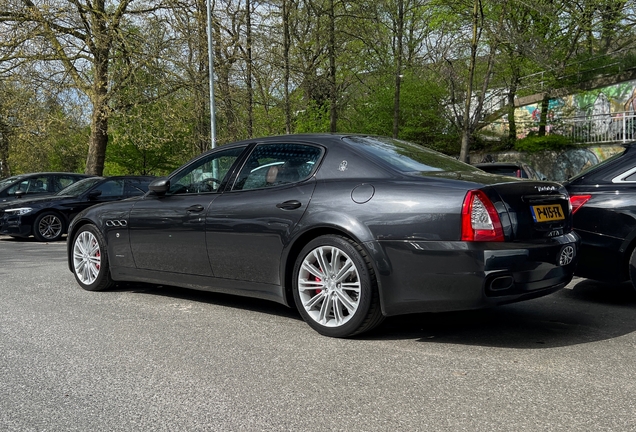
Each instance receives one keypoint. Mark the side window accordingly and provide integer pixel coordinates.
(23, 186)
(63, 181)
(136, 187)
(206, 174)
(277, 164)
(31, 186)
(111, 188)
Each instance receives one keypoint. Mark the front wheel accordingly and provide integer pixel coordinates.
(90, 260)
(48, 226)
(335, 288)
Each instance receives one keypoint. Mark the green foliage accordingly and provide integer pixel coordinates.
(422, 113)
(149, 139)
(313, 119)
(42, 134)
(534, 143)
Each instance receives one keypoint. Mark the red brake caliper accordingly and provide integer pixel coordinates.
(98, 254)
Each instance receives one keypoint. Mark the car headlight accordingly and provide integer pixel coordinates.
(18, 211)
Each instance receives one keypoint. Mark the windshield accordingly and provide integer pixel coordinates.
(598, 166)
(78, 188)
(408, 157)
(8, 181)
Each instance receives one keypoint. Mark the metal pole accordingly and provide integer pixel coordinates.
(211, 79)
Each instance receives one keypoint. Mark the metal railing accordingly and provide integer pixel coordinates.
(599, 128)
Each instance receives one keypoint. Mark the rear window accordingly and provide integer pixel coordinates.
(508, 171)
(407, 157)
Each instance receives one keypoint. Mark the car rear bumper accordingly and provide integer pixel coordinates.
(427, 276)
(602, 257)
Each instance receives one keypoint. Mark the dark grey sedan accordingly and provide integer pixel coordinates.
(347, 228)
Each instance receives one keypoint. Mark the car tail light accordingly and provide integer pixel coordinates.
(480, 220)
(577, 201)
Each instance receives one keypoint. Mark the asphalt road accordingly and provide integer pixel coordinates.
(149, 358)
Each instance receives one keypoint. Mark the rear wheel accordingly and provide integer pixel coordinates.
(90, 260)
(48, 226)
(335, 289)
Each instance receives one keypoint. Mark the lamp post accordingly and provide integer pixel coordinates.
(211, 78)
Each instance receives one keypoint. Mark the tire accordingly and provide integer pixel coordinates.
(49, 226)
(336, 305)
(90, 259)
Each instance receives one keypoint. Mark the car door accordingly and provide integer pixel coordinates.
(248, 227)
(167, 232)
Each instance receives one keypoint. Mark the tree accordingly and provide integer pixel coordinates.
(39, 131)
(78, 40)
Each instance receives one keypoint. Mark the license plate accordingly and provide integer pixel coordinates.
(547, 213)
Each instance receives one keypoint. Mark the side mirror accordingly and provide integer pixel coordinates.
(94, 194)
(19, 193)
(159, 186)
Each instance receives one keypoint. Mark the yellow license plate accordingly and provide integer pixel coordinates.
(547, 213)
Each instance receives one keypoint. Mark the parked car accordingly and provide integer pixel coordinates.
(513, 169)
(347, 228)
(604, 215)
(47, 218)
(21, 185)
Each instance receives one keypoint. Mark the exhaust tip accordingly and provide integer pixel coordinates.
(501, 283)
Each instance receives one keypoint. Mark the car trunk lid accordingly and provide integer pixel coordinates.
(536, 210)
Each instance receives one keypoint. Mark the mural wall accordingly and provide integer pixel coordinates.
(589, 116)
(593, 108)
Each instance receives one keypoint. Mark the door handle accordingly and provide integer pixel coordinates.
(195, 208)
(289, 205)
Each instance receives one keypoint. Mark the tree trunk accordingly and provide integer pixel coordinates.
(545, 105)
(286, 45)
(98, 139)
(512, 124)
(466, 126)
(398, 69)
(333, 92)
(99, 118)
(5, 169)
(250, 90)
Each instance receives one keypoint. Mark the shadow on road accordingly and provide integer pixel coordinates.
(589, 311)
(225, 300)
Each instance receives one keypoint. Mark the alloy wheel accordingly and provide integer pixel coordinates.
(329, 286)
(50, 227)
(87, 258)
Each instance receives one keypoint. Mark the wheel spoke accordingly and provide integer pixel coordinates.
(325, 308)
(315, 300)
(346, 301)
(337, 311)
(312, 270)
(322, 262)
(345, 270)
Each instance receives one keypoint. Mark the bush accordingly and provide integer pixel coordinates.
(534, 143)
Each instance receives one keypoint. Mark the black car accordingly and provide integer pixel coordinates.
(604, 215)
(18, 186)
(513, 169)
(47, 218)
(348, 228)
